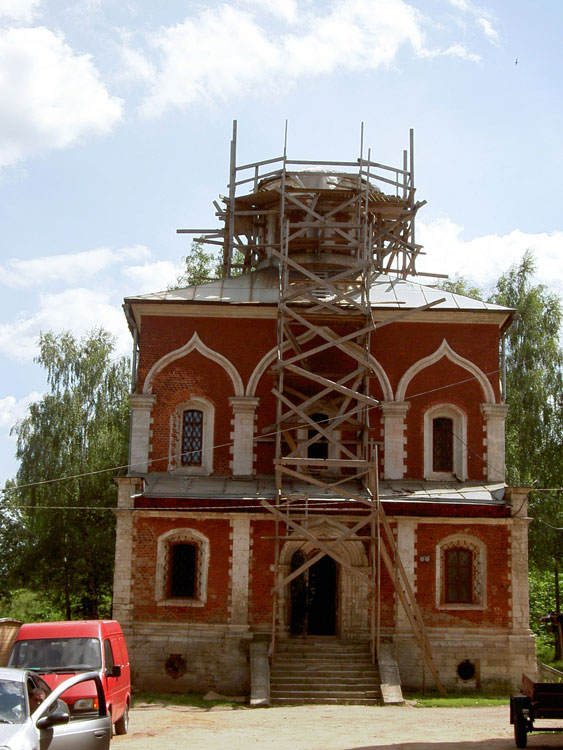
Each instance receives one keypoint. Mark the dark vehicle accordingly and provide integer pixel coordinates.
(538, 700)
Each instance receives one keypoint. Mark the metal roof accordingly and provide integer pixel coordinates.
(166, 485)
(261, 287)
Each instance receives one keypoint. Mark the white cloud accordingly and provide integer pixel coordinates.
(153, 277)
(79, 310)
(484, 259)
(12, 409)
(286, 10)
(75, 306)
(69, 267)
(50, 97)
(230, 50)
(488, 29)
(19, 10)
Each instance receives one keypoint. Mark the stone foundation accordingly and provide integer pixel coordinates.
(188, 659)
(469, 660)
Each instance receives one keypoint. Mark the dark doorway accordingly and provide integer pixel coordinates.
(318, 449)
(314, 597)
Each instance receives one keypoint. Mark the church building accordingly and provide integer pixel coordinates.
(317, 449)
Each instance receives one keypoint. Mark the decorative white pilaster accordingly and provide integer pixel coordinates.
(244, 410)
(406, 549)
(518, 497)
(394, 413)
(495, 415)
(141, 407)
(240, 560)
(122, 576)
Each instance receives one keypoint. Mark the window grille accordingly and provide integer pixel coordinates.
(442, 444)
(192, 437)
(461, 573)
(182, 569)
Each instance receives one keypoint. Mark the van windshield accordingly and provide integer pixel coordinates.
(57, 654)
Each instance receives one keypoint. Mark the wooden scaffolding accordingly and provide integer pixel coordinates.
(329, 229)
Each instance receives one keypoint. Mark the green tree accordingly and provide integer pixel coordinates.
(459, 285)
(200, 266)
(534, 425)
(66, 446)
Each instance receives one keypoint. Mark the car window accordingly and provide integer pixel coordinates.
(12, 702)
(108, 655)
(57, 654)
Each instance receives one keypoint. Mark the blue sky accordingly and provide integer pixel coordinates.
(117, 116)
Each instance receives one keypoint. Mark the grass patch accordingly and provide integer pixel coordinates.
(477, 699)
(180, 699)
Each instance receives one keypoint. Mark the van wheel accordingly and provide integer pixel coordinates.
(122, 725)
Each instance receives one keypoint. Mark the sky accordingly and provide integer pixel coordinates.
(116, 119)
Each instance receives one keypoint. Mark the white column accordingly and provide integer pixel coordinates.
(495, 415)
(394, 413)
(244, 410)
(240, 561)
(122, 576)
(406, 548)
(141, 406)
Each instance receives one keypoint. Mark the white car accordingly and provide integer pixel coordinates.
(24, 725)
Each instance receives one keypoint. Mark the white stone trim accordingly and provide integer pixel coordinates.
(195, 344)
(459, 419)
(495, 415)
(444, 350)
(174, 457)
(244, 410)
(479, 569)
(240, 565)
(393, 414)
(141, 407)
(161, 577)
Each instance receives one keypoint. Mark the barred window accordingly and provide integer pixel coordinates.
(459, 575)
(182, 570)
(461, 570)
(192, 437)
(442, 444)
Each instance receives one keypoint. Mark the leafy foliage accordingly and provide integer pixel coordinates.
(66, 446)
(200, 266)
(459, 285)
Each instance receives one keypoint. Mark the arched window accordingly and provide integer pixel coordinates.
(182, 569)
(191, 437)
(182, 562)
(458, 575)
(461, 573)
(445, 443)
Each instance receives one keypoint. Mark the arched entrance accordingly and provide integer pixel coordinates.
(314, 597)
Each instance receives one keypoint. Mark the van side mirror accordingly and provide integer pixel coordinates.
(114, 671)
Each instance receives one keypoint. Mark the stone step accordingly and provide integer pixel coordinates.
(325, 701)
(324, 671)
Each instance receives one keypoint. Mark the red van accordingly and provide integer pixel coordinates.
(58, 649)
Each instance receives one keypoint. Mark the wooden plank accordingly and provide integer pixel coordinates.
(334, 385)
(315, 425)
(324, 548)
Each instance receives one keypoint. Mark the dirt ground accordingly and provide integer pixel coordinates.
(160, 727)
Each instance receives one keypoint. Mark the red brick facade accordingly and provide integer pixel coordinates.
(214, 355)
